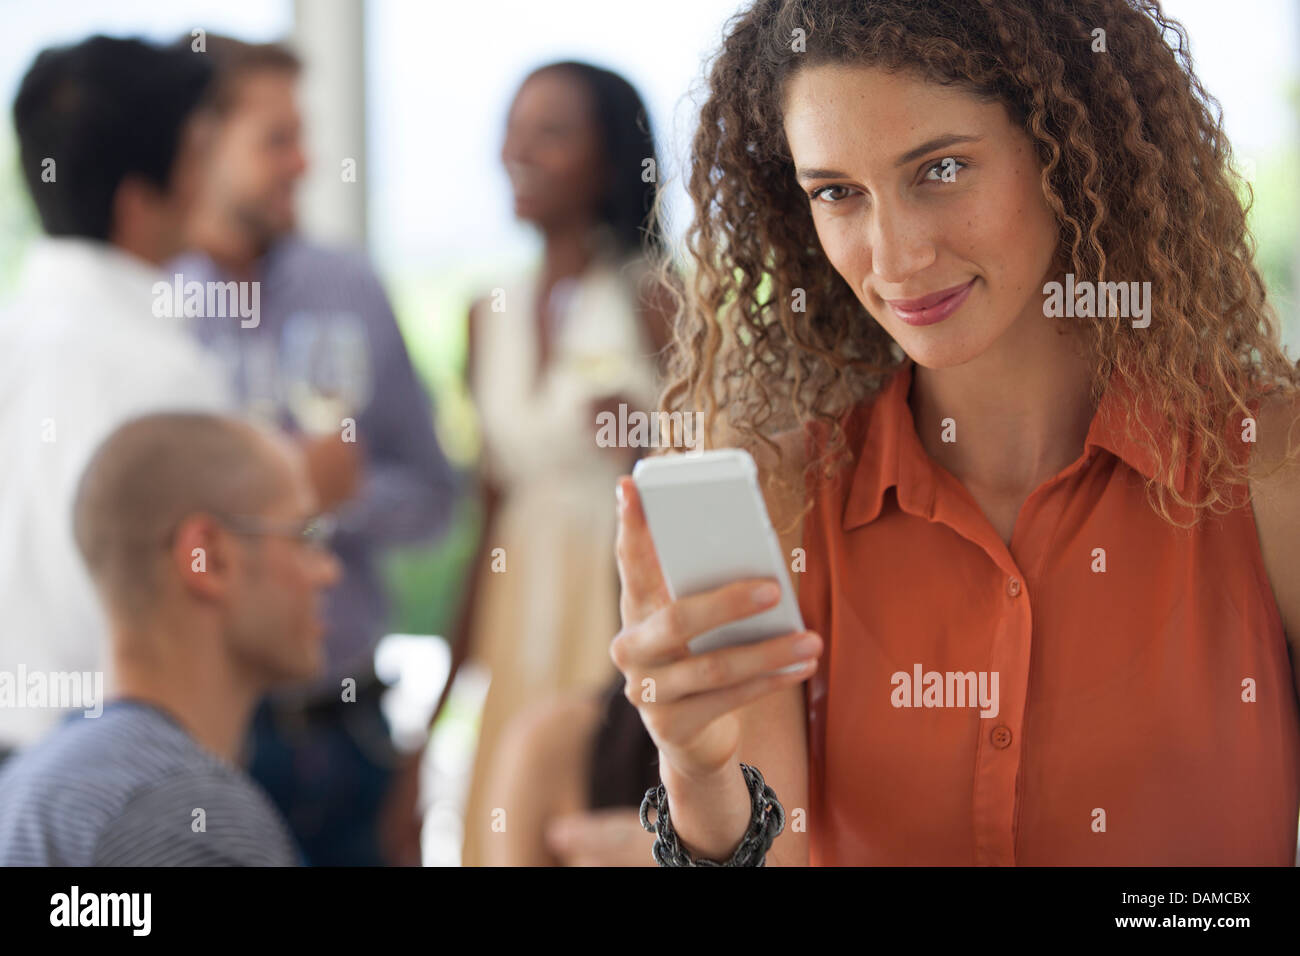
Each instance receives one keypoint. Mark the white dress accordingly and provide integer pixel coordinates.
(547, 612)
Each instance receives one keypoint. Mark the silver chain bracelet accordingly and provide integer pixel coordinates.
(765, 824)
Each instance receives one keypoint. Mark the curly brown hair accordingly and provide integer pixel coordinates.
(1134, 166)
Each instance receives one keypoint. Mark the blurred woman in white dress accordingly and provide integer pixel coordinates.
(578, 335)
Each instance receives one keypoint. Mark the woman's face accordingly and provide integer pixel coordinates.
(921, 191)
(552, 151)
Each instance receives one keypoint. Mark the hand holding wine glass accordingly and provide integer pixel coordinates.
(325, 362)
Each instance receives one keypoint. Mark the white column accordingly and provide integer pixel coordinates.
(329, 35)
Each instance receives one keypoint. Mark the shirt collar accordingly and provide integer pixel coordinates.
(196, 264)
(56, 261)
(891, 454)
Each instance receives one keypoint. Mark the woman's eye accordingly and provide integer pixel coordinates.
(824, 194)
(946, 170)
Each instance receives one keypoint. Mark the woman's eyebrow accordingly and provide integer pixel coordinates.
(939, 142)
(808, 174)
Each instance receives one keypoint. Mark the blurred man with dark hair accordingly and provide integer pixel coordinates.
(327, 361)
(109, 134)
(202, 538)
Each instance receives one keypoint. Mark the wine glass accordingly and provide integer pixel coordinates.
(260, 381)
(252, 369)
(325, 363)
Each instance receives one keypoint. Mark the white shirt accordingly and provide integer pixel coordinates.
(81, 352)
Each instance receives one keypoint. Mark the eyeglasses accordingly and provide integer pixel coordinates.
(316, 532)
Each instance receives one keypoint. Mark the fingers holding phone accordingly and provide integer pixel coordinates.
(687, 701)
(793, 655)
(695, 528)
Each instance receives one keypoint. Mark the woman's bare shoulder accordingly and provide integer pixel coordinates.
(1275, 491)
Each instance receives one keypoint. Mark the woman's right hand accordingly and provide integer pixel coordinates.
(687, 701)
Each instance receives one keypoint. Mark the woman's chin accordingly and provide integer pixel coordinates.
(527, 208)
(937, 350)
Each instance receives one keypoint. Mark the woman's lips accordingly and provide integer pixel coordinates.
(931, 308)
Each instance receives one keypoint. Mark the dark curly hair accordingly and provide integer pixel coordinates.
(1134, 165)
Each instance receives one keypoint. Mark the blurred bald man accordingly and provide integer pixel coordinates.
(201, 537)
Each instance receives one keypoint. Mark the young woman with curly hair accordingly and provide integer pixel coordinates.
(1049, 533)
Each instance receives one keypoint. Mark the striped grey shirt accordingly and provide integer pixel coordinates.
(133, 788)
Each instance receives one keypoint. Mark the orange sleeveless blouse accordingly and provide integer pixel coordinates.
(1108, 690)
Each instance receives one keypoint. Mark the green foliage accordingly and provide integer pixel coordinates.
(425, 584)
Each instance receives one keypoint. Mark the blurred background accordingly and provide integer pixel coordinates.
(416, 95)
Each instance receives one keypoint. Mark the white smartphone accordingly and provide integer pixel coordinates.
(710, 527)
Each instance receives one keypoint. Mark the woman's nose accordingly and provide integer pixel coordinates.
(901, 246)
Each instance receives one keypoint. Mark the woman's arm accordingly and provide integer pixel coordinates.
(539, 772)
(773, 730)
(1276, 500)
(490, 496)
(773, 739)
